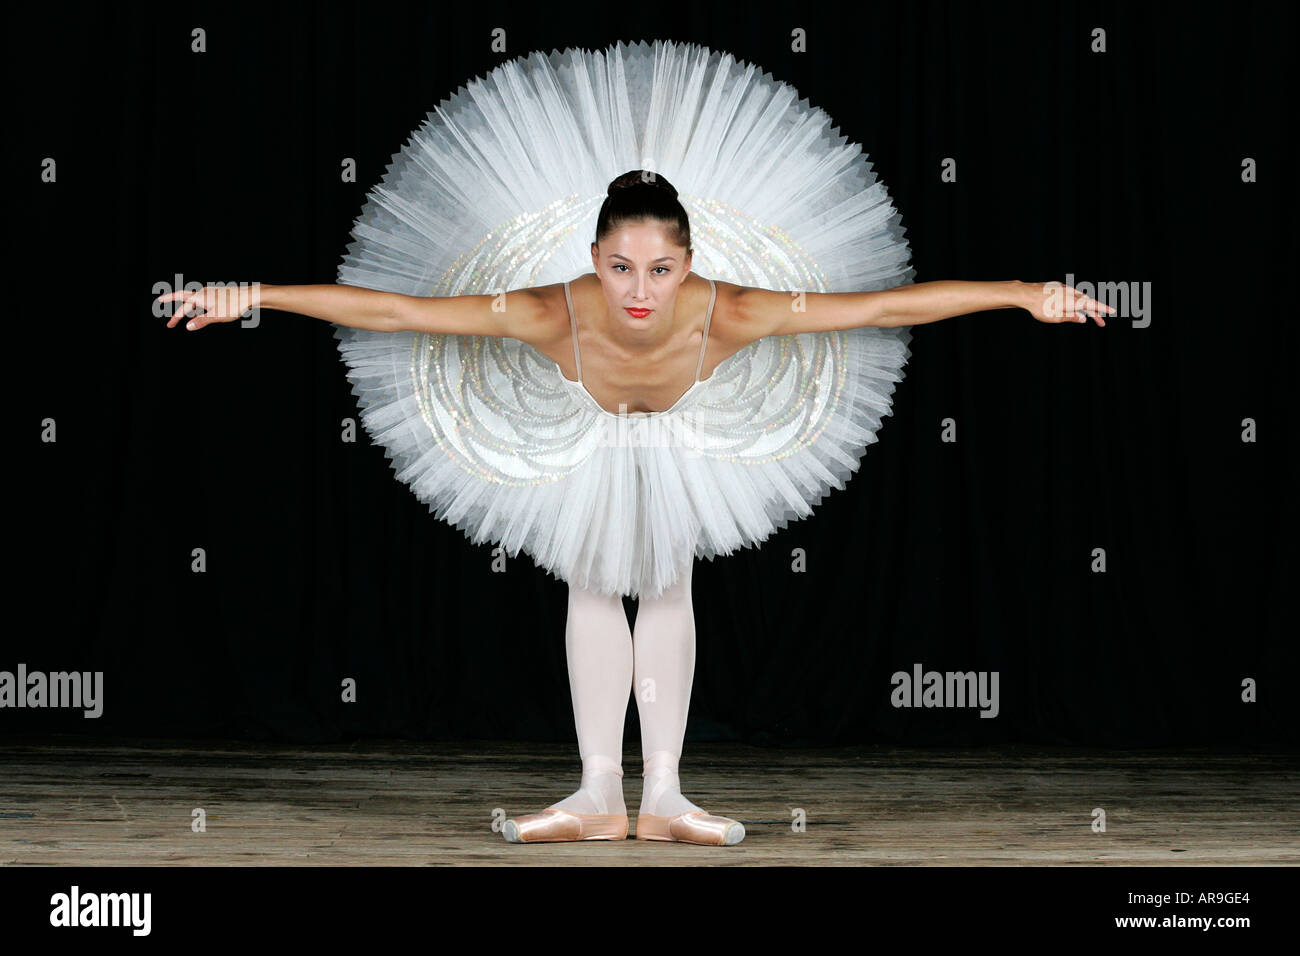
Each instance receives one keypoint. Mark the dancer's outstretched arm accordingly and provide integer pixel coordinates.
(768, 312)
(508, 314)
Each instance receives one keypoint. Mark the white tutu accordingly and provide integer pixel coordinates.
(500, 188)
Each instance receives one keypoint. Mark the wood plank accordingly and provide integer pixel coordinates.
(129, 802)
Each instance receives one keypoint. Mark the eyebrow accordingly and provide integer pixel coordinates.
(615, 255)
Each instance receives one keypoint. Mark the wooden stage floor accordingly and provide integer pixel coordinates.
(82, 802)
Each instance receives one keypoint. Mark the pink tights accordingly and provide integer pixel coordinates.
(656, 660)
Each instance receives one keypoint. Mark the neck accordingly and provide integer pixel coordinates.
(640, 339)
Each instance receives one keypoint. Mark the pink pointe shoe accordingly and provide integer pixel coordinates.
(556, 825)
(563, 826)
(694, 826)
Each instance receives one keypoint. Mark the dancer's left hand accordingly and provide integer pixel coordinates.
(1055, 302)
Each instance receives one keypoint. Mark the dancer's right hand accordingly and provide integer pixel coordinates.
(219, 304)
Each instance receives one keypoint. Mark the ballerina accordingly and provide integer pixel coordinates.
(617, 424)
(648, 322)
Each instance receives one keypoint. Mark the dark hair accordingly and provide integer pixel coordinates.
(643, 194)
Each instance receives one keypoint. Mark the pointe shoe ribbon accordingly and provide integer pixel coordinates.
(557, 825)
(694, 826)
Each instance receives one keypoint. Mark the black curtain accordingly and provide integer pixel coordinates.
(977, 554)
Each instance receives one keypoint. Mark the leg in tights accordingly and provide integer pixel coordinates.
(664, 668)
(598, 643)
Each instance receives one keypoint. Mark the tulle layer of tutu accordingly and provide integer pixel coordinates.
(500, 188)
(498, 444)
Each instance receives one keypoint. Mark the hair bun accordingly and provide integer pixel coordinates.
(641, 195)
(641, 178)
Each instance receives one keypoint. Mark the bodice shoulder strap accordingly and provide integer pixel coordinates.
(708, 317)
(573, 327)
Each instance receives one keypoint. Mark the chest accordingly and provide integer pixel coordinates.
(652, 382)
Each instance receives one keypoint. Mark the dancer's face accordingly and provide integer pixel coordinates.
(640, 268)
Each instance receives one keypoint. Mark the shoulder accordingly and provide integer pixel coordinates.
(543, 318)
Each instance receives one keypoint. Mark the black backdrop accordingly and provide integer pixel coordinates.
(1123, 166)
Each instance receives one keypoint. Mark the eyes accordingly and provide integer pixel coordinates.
(619, 265)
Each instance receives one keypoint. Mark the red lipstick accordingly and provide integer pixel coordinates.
(637, 313)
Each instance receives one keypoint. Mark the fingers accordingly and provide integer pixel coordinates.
(186, 301)
(203, 319)
(1096, 310)
(1076, 306)
(1084, 306)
